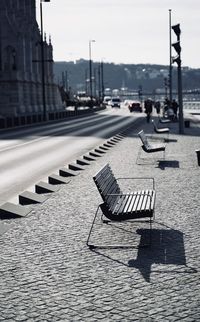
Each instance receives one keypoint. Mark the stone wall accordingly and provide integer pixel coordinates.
(20, 62)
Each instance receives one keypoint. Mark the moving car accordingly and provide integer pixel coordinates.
(135, 106)
(115, 102)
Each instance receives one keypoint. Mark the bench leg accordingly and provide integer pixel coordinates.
(167, 138)
(116, 246)
(164, 155)
(147, 161)
(150, 232)
(89, 245)
(138, 156)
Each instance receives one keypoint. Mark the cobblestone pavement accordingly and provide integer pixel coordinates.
(47, 273)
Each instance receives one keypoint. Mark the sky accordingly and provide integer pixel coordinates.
(125, 31)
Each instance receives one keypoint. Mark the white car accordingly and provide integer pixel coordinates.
(115, 102)
(106, 100)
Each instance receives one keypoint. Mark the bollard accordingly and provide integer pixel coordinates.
(198, 156)
(187, 123)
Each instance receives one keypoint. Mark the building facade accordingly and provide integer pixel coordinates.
(21, 85)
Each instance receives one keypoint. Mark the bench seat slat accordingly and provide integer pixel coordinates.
(130, 202)
(145, 201)
(134, 208)
(127, 202)
(112, 203)
(120, 204)
(134, 202)
(148, 200)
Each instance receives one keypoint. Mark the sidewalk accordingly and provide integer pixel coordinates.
(49, 274)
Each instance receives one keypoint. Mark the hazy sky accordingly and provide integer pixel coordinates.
(125, 31)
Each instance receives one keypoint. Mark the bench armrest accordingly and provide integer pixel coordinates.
(138, 178)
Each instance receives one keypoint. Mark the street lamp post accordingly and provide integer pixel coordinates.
(170, 58)
(43, 60)
(177, 59)
(90, 67)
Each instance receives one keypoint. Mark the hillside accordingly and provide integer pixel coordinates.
(150, 77)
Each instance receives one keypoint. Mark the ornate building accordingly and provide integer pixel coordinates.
(21, 86)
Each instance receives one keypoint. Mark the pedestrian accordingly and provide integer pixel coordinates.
(175, 108)
(148, 108)
(166, 106)
(157, 107)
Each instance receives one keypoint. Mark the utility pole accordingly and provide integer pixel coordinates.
(43, 61)
(102, 81)
(99, 81)
(66, 81)
(90, 67)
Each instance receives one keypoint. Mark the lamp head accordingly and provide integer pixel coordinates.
(177, 30)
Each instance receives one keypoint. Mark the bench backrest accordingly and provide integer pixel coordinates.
(143, 138)
(106, 185)
(154, 125)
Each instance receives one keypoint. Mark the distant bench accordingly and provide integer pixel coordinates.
(160, 130)
(120, 206)
(164, 120)
(150, 147)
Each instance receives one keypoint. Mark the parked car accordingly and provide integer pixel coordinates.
(106, 100)
(135, 106)
(115, 102)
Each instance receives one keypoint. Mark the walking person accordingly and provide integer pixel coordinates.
(157, 107)
(148, 108)
(175, 108)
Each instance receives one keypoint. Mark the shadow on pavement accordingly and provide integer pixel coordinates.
(167, 249)
(171, 140)
(162, 164)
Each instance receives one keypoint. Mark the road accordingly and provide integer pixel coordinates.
(28, 155)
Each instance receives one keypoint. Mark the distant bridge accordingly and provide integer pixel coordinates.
(188, 95)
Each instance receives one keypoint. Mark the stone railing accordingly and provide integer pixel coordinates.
(28, 120)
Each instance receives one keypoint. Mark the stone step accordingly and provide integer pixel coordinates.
(111, 143)
(10, 210)
(66, 172)
(28, 197)
(99, 151)
(44, 187)
(95, 154)
(107, 145)
(103, 148)
(56, 179)
(89, 158)
(75, 167)
(82, 162)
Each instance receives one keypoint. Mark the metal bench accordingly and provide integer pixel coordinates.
(119, 206)
(162, 130)
(149, 147)
(164, 120)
